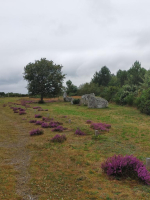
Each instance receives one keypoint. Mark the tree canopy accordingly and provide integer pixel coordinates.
(102, 77)
(44, 78)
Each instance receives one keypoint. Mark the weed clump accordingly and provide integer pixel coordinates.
(36, 132)
(59, 138)
(126, 166)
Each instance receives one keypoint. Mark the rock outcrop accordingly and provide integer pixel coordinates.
(66, 98)
(93, 102)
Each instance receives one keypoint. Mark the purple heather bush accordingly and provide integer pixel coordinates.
(32, 121)
(44, 125)
(21, 109)
(22, 112)
(37, 107)
(88, 121)
(46, 119)
(126, 166)
(46, 109)
(38, 116)
(36, 132)
(100, 126)
(39, 122)
(53, 124)
(16, 111)
(59, 138)
(58, 128)
(4, 105)
(79, 132)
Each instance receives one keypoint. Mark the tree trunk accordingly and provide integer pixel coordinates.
(41, 97)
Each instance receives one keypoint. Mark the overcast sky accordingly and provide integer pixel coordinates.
(81, 35)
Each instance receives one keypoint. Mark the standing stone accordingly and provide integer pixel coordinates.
(97, 102)
(66, 98)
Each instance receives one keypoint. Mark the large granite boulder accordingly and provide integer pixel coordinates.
(85, 97)
(97, 102)
(66, 98)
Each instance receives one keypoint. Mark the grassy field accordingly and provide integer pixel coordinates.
(36, 168)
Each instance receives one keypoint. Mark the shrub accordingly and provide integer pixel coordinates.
(22, 112)
(76, 101)
(88, 121)
(36, 107)
(58, 128)
(38, 122)
(4, 105)
(59, 138)
(36, 132)
(100, 126)
(126, 166)
(44, 125)
(32, 121)
(21, 109)
(38, 116)
(79, 132)
(53, 124)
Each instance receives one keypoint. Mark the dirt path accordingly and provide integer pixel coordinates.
(20, 160)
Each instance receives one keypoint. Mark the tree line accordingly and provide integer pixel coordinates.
(127, 87)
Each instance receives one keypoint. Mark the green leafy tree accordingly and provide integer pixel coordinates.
(102, 77)
(122, 77)
(136, 74)
(44, 78)
(71, 89)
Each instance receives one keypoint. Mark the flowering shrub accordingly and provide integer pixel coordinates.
(38, 122)
(58, 128)
(88, 121)
(46, 119)
(46, 109)
(16, 111)
(4, 105)
(53, 124)
(59, 138)
(21, 109)
(79, 132)
(44, 125)
(38, 116)
(40, 109)
(32, 121)
(36, 132)
(36, 107)
(100, 126)
(22, 112)
(126, 166)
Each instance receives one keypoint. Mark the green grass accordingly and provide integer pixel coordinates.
(71, 170)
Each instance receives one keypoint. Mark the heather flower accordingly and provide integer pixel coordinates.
(38, 116)
(88, 121)
(4, 105)
(36, 132)
(21, 109)
(126, 166)
(32, 121)
(53, 124)
(100, 126)
(46, 109)
(38, 122)
(37, 107)
(40, 109)
(79, 132)
(44, 125)
(22, 112)
(59, 138)
(58, 128)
